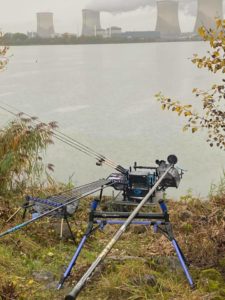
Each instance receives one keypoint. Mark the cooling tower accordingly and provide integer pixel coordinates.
(208, 10)
(45, 26)
(91, 22)
(167, 20)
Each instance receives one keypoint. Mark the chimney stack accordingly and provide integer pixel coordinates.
(167, 19)
(91, 22)
(45, 25)
(208, 10)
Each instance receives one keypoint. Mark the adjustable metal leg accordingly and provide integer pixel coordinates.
(25, 207)
(72, 263)
(89, 231)
(100, 196)
(182, 262)
(168, 232)
(61, 228)
(70, 230)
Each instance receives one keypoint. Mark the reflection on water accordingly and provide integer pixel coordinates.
(103, 95)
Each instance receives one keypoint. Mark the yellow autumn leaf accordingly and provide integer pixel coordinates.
(216, 54)
(178, 109)
(187, 113)
(201, 31)
(218, 23)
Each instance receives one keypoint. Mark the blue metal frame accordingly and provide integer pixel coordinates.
(101, 223)
(88, 232)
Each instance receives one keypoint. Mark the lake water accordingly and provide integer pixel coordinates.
(103, 95)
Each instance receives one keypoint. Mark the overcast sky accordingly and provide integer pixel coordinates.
(20, 15)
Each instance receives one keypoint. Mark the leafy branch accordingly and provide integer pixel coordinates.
(21, 146)
(212, 117)
(3, 57)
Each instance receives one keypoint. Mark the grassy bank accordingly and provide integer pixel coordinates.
(141, 266)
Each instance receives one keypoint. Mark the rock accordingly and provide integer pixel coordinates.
(43, 276)
(52, 285)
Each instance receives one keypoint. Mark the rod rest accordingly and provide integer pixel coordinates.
(125, 215)
(44, 201)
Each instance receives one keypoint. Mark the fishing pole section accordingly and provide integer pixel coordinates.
(166, 175)
(63, 204)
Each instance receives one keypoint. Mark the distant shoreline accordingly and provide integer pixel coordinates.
(108, 42)
(21, 39)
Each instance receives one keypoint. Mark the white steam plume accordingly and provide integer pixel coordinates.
(189, 7)
(117, 6)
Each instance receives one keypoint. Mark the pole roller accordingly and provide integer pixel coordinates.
(76, 290)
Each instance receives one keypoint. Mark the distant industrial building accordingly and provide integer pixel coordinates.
(91, 22)
(141, 35)
(45, 25)
(113, 31)
(167, 18)
(100, 32)
(208, 10)
(31, 34)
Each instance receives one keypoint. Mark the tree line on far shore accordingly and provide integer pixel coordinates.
(20, 39)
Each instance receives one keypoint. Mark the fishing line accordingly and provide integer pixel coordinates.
(73, 143)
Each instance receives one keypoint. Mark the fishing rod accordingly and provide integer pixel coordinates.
(76, 290)
(69, 201)
(65, 194)
(73, 143)
(100, 160)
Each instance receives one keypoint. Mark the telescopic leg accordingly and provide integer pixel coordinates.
(70, 230)
(89, 231)
(182, 262)
(25, 207)
(72, 263)
(169, 234)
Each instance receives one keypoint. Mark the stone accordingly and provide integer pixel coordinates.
(43, 276)
(52, 285)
